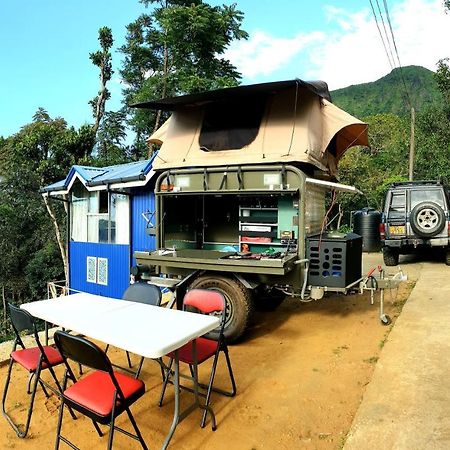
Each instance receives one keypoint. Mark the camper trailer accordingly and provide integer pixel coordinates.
(240, 194)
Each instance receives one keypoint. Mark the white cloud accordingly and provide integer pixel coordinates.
(263, 54)
(350, 51)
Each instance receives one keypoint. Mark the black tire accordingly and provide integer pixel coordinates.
(447, 257)
(239, 303)
(427, 219)
(390, 256)
(268, 300)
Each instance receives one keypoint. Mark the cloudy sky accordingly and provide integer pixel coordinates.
(44, 47)
(342, 44)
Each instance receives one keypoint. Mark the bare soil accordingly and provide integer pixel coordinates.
(301, 372)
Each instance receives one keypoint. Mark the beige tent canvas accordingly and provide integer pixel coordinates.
(280, 122)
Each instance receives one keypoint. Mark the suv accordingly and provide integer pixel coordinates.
(416, 215)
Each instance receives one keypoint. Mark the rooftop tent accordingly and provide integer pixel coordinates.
(286, 121)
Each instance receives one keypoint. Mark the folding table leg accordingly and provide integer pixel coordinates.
(176, 413)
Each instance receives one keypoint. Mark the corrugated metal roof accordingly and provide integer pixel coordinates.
(95, 176)
(121, 173)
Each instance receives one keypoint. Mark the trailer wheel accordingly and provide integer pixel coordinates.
(239, 305)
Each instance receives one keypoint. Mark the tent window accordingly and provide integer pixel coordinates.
(231, 125)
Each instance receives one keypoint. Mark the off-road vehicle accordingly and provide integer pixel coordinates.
(415, 216)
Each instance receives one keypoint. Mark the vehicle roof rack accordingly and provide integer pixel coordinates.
(417, 183)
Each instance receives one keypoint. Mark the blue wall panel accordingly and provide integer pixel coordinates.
(118, 267)
(143, 200)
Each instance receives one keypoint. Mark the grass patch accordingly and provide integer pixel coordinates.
(371, 360)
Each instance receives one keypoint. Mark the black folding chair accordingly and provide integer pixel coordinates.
(204, 301)
(33, 359)
(102, 395)
(148, 294)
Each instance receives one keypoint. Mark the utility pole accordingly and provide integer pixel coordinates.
(411, 145)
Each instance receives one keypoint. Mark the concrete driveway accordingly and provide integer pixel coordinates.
(407, 403)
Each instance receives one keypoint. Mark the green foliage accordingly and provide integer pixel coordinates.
(110, 139)
(386, 95)
(103, 60)
(442, 77)
(373, 169)
(177, 50)
(42, 267)
(41, 153)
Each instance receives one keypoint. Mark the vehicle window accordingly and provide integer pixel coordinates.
(430, 195)
(398, 202)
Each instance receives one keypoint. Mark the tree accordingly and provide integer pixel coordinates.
(102, 59)
(39, 154)
(433, 136)
(176, 50)
(110, 138)
(373, 169)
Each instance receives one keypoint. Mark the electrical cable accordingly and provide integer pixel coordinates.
(396, 52)
(387, 46)
(391, 62)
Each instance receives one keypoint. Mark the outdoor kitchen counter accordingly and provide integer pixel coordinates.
(216, 260)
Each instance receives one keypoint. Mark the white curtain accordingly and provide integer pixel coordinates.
(79, 214)
(120, 213)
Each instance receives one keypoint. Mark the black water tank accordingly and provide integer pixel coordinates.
(366, 223)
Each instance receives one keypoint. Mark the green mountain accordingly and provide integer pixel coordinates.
(387, 95)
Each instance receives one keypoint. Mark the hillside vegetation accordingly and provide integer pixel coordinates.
(387, 95)
(382, 105)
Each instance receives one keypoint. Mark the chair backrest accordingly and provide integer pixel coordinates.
(143, 293)
(21, 321)
(86, 353)
(205, 300)
(82, 351)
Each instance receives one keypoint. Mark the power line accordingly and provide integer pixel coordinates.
(396, 52)
(387, 44)
(391, 57)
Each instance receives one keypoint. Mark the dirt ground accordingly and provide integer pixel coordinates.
(301, 373)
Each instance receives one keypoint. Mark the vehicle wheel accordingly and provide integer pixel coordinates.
(427, 219)
(447, 257)
(239, 304)
(390, 256)
(268, 299)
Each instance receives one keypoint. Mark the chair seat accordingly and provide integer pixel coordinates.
(29, 357)
(205, 349)
(95, 392)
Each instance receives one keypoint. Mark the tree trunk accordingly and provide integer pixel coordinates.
(59, 238)
(4, 304)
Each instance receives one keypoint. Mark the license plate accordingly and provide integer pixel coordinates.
(397, 229)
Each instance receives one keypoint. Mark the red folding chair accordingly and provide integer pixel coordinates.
(204, 301)
(102, 395)
(33, 359)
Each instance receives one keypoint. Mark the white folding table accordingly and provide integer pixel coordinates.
(145, 330)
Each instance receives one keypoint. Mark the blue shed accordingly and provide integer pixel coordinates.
(110, 211)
